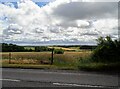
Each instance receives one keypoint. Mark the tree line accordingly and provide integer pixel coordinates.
(15, 48)
(12, 48)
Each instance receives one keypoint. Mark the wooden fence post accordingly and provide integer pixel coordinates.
(9, 58)
(52, 56)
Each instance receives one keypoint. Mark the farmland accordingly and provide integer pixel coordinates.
(68, 59)
(63, 57)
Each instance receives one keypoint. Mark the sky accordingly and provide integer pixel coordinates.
(57, 22)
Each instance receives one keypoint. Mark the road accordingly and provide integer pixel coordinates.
(57, 78)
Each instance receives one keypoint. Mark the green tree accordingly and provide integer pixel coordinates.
(107, 50)
(12, 48)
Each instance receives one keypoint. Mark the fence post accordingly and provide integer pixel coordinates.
(52, 56)
(9, 58)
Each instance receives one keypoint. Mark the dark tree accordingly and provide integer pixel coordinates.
(107, 50)
(12, 48)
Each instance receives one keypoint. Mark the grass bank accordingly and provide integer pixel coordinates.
(33, 66)
(93, 66)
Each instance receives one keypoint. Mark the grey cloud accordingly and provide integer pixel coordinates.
(67, 24)
(70, 30)
(91, 34)
(67, 35)
(45, 37)
(13, 29)
(11, 32)
(55, 29)
(74, 39)
(88, 26)
(39, 30)
(62, 28)
(86, 10)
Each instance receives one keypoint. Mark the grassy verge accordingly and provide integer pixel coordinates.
(86, 67)
(82, 66)
(99, 66)
(33, 66)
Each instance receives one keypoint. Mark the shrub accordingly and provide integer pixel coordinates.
(41, 48)
(59, 51)
(107, 50)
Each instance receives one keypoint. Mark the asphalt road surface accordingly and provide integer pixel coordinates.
(58, 78)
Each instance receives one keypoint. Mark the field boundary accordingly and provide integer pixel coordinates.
(53, 67)
(30, 66)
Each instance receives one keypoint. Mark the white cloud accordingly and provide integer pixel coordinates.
(81, 23)
(100, 0)
(107, 26)
(59, 22)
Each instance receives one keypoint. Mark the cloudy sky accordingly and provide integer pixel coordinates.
(66, 22)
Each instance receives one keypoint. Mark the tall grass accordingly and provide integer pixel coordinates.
(87, 63)
(66, 59)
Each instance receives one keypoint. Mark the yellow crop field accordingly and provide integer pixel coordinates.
(36, 57)
(66, 49)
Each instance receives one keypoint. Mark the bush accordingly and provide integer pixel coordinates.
(41, 48)
(59, 51)
(104, 57)
(107, 50)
